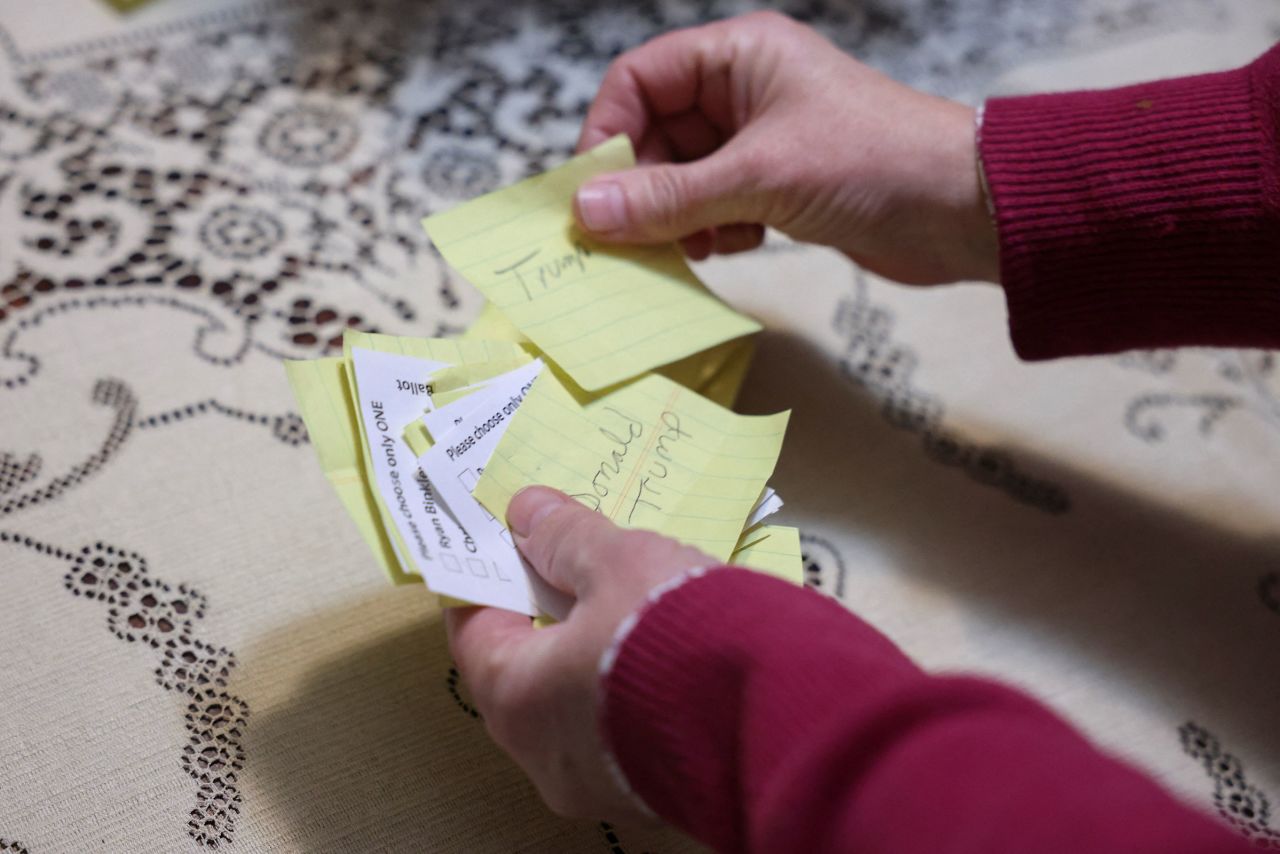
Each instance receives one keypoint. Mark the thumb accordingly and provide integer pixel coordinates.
(668, 201)
(566, 543)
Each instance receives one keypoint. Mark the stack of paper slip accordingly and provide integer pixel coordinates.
(604, 371)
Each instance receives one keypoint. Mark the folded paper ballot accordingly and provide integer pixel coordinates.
(606, 372)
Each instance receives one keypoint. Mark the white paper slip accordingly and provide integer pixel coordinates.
(440, 421)
(454, 465)
(391, 391)
(389, 386)
(770, 502)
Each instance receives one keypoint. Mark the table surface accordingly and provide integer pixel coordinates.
(197, 648)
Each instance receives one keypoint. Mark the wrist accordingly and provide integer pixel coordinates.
(971, 228)
(943, 203)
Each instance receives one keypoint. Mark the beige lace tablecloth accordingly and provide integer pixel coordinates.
(195, 648)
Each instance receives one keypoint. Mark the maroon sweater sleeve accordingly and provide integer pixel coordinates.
(1145, 216)
(758, 716)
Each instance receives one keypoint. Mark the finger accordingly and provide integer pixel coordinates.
(654, 148)
(619, 107)
(698, 247)
(477, 637)
(565, 542)
(669, 201)
(691, 135)
(739, 237)
(662, 77)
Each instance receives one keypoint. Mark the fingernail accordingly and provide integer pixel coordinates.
(530, 506)
(602, 207)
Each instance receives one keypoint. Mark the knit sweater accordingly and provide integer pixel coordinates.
(762, 717)
(1145, 216)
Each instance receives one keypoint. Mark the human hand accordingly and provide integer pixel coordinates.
(539, 689)
(757, 121)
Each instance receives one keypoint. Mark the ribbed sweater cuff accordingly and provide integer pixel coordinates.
(1145, 216)
(713, 686)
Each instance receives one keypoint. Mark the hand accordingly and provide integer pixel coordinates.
(758, 121)
(538, 689)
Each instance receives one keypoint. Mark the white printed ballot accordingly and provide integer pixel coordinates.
(454, 465)
(391, 391)
(440, 420)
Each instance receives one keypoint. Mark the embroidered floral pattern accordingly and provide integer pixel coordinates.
(1248, 383)
(1240, 802)
(884, 369)
(143, 609)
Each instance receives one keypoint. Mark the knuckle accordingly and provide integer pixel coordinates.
(769, 22)
(652, 559)
(647, 547)
(642, 540)
(570, 537)
(575, 534)
(620, 70)
(568, 526)
(545, 550)
(546, 540)
(585, 540)
(666, 196)
(753, 171)
(769, 17)
(773, 185)
(754, 162)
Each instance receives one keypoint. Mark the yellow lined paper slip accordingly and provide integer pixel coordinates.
(324, 401)
(455, 351)
(716, 373)
(493, 324)
(604, 313)
(474, 373)
(774, 549)
(651, 454)
(453, 395)
(418, 438)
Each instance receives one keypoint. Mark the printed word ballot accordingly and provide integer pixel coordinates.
(603, 313)
(457, 460)
(355, 410)
(389, 389)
